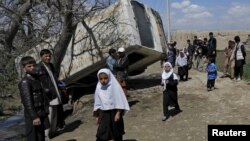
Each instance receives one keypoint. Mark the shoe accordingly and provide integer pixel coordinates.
(164, 118)
(47, 138)
(58, 129)
(209, 89)
(238, 79)
(178, 110)
(223, 76)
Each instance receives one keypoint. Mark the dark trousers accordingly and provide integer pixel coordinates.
(109, 129)
(210, 83)
(239, 68)
(183, 72)
(34, 133)
(169, 98)
(60, 116)
(53, 113)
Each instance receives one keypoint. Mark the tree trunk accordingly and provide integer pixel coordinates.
(16, 24)
(65, 36)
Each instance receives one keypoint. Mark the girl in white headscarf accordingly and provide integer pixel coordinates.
(182, 64)
(170, 96)
(109, 107)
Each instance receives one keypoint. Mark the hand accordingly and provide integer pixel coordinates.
(162, 84)
(167, 81)
(97, 120)
(117, 116)
(213, 52)
(37, 121)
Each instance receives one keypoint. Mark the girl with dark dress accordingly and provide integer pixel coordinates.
(109, 107)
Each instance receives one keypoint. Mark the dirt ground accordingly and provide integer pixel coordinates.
(228, 104)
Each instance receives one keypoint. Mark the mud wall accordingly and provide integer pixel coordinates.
(222, 37)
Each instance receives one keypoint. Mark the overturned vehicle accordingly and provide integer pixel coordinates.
(127, 24)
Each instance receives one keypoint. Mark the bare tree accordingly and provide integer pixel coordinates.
(33, 21)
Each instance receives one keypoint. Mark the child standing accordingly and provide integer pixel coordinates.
(49, 82)
(182, 64)
(35, 106)
(109, 106)
(211, 74)
(170, 95)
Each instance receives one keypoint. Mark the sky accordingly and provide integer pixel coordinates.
(204, 15)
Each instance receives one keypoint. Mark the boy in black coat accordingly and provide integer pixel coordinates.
(34, 102)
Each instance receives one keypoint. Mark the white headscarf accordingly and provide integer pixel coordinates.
(165, 75)
(110, 96)
(181, 61)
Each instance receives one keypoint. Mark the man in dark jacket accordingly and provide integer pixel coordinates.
(34, 102)
(172, 53)
(212, 45)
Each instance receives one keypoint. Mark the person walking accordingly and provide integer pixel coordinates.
(170, 90)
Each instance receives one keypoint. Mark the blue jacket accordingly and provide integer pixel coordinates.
(211, 71)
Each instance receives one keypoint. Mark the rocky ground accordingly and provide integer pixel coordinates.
(228, 104)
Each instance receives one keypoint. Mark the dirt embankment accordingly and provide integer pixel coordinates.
(228, 104)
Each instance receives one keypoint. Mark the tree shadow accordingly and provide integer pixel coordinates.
(133, 102)
(69, 128)
(144, 81)
(173, 112)
(72, 126)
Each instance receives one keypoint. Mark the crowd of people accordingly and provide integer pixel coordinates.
(191, 56)
(41, 91)
(197, 55)
(42, 97)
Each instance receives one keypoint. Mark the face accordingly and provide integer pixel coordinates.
(46, 58)
(181, 54)
(29, 68)
(167, 68)
(114, 54)
(208, 61)
(121, 54)
(103, 78)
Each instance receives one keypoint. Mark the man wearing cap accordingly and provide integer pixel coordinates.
(121, 69)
